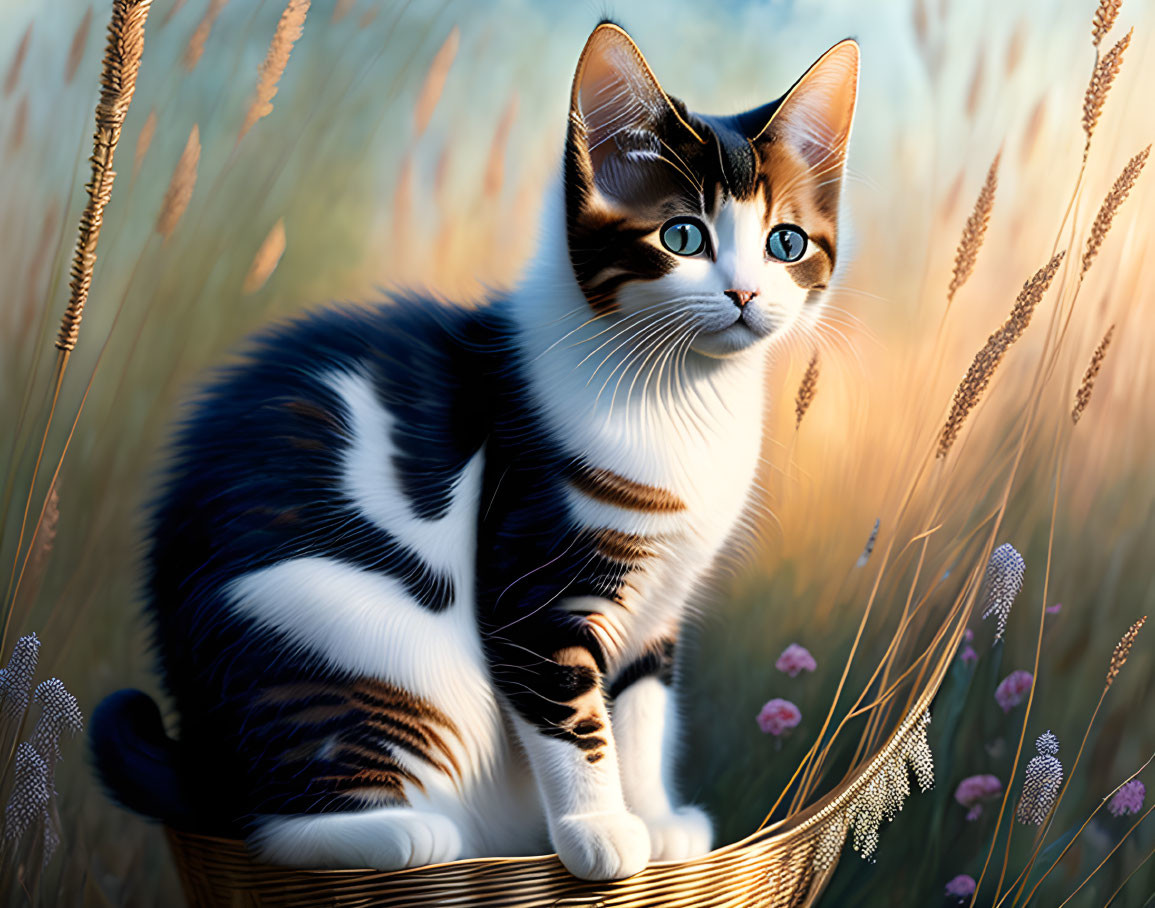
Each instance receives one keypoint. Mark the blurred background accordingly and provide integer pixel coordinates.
(410, 144)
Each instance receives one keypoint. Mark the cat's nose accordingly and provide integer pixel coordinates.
(741, 297)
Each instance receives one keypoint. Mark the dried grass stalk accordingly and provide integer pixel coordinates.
(495, 165)
(172, 11)
(1123, 650)
(806, 390)
(1034, 130)
(12, 76)
(1100, 85)
(1083, 395)
(1110, 207)
(76, 49)
(266, 260)
(434, 82)
(289, 29)
(196, 44)
(1104, 18)
(341, 9)
(180, 187)
(974, 231)
(983, 367)
(117, 84)
(143, 141)
(975, 91)
(1015, 49)
(19, 126)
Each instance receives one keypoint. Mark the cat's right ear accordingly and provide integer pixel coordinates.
(619, 119)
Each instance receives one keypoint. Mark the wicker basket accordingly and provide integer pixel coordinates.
(764, 871)
(782, 866)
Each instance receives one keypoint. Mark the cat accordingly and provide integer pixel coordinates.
(417, 573)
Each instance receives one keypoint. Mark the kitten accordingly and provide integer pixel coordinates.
(418, 572)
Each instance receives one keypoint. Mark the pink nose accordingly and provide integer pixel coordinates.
(741, 297)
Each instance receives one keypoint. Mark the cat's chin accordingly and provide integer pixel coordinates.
(731, 341)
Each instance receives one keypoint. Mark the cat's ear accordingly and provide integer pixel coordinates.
(816, 115)
(619, 118)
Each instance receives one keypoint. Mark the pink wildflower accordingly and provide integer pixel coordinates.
(778, 716)
(794, 660)
(1128, 799)
(973, 790)
(1013, 688)
(961, 887)
(968, 637)
(1054, 609)
(969, 656)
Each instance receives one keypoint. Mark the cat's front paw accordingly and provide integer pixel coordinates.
(601, 846)
(680, 834)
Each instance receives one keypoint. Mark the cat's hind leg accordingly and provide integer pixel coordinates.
(383, 838)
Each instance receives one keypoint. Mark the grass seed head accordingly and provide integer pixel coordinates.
(1123, 650)
(987, 360)
(1105, 15)
(1102, 78)
(806, 390)
(180, 187)
(289, 28)
(974, 230)
(1083, 395)
(1115, 198)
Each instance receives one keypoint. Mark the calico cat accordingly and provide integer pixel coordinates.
(418, 572)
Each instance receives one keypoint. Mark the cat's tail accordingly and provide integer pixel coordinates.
(136, 760)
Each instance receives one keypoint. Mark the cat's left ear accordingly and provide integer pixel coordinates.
(816, 115)
(619, 118)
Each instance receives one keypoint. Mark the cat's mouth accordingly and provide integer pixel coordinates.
(743, 332)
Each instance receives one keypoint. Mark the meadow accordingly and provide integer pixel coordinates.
(409, 144)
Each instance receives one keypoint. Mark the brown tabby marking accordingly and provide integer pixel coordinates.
(610, 488)
(625, 548)
(404, 721)
(589, 710)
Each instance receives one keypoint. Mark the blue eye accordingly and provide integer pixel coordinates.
(684, 236)
(786, 243)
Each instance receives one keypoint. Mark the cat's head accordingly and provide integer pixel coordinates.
(723, 229)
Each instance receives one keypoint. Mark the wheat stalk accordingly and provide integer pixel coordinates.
(983, 367)
(117, 84)
(12, 77)
(1104, 18)
(1103, 76)
(806, 391)
(289, 29)
(1111, 204)
(196, 44)
(1083, 395)
(76, 49)
(266, 260)
(974, 231)
(341, 9)
(180, 187)
(434, 82)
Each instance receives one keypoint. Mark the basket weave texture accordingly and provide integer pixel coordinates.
(764, 871)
